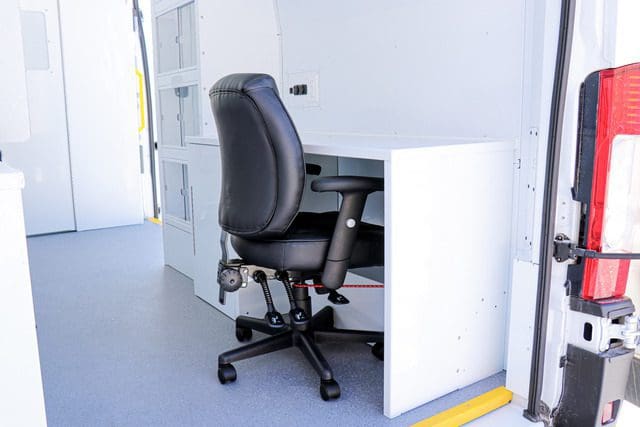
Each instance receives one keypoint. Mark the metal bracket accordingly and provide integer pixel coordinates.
(223, 247)
(598, 334)
(565, 250)
(629, 333)
(239, 271)
(224, 258)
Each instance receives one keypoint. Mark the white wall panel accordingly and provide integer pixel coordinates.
(239, 36)
(44, 156)
(436, 68)
(98, 55)
(14, 111)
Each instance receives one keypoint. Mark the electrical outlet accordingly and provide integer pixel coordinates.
(302, 89)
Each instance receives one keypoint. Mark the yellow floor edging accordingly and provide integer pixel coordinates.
(154, 220)
(470, 410)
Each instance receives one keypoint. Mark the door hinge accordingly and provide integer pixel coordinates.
(628, 333)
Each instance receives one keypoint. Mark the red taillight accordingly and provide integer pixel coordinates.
(607, 414)
(610, 412)
(614, 214)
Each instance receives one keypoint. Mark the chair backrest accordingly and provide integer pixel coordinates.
(263, 168)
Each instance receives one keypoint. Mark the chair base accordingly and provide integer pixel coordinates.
(320, 328)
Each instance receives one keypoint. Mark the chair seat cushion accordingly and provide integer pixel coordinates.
(305, 245)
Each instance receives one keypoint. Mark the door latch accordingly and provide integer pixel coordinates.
(564, 249)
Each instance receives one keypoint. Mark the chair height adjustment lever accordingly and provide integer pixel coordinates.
(273, 317)
(297, 315)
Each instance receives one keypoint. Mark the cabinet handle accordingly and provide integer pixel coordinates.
(193, 221)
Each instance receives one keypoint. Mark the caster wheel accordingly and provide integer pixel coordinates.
(329, 390)
(226, 373)
(243, 334)
(378, 350)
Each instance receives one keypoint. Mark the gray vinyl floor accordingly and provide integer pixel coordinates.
(124, 342)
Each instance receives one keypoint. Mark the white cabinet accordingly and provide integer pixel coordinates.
(204, 158)
(178, 117)
(21, 396)
(204, 162)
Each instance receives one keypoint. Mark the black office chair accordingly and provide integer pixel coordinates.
(263, 175)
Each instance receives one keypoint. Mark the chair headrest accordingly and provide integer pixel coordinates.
(244, 82)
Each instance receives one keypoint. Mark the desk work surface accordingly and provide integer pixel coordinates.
(380, 147)
(374, 147)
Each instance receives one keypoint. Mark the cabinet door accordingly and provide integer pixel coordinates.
(179, 115)
(168, 48)
(204, 161)
(176, 39)
(187, 30)
(189, 111)
(170, 129)
(176, 190)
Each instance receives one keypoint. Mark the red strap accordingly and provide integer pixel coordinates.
(319, 285)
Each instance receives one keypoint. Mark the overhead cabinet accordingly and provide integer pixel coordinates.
(176, 39)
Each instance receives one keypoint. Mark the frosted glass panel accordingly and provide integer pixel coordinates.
(176, 32)
(175, 190)
(190, 111)
(170, 134)
(168, 37)
(188, 53)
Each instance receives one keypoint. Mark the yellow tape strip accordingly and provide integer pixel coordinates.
(143, 122)
(154, 220)
(470, 410)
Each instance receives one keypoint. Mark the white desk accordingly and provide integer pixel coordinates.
(447, 256)
(447, 218)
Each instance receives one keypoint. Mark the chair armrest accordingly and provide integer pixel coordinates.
(348, 184)
(354, 190)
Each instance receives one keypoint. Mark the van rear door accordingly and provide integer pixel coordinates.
(586, 332)
(601, 327)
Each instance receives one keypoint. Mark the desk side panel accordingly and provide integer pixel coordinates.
(448, 228)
